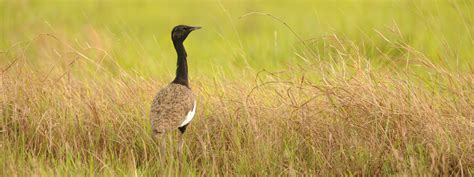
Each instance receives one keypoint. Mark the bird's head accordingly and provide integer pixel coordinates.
(180, 32)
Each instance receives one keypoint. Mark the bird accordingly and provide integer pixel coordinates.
(174, 106)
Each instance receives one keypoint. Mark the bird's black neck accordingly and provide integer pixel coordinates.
(182, 70)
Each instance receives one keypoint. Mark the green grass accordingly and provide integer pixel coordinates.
(297, 88)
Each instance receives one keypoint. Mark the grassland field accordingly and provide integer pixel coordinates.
(284, 87)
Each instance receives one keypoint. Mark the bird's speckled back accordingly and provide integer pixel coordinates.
(170, 107)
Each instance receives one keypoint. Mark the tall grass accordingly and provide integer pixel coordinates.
(350, 119)
(340, 105)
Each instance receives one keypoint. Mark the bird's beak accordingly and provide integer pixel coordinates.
(195, 28)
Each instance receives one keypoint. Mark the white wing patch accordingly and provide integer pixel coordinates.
(189, 116)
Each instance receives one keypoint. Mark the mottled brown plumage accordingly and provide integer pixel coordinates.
(170, 107)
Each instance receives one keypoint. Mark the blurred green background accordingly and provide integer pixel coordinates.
(136, 34)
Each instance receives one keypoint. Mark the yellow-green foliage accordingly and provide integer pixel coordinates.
(283, 87)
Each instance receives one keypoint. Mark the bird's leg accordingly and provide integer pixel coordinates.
(163, 146)
(181, 143)
(160, 139)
